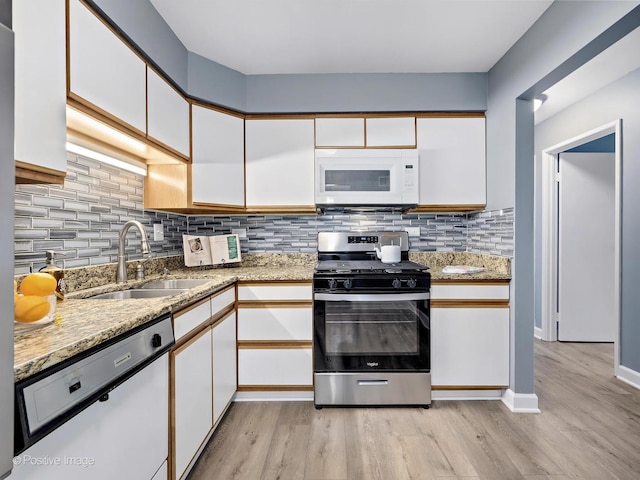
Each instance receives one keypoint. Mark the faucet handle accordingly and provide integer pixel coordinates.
(140, 271)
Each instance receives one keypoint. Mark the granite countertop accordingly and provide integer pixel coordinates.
(84, 323)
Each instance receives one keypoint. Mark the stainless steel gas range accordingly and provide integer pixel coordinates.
(371, 323)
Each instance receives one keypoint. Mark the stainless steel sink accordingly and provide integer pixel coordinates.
(173, 283)
(139, 293)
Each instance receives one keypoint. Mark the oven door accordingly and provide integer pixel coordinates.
(371, 332)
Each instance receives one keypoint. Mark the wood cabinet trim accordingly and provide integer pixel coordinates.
(467, 303)
(280, 209)
(190, 307)
(274, 283)
(275, 388)
(279, 116)
(216, 108)
(274, 344)
(468, 387)
(476, 282)
(448, 208)
(186, 341)
(27, 173)
(275, 304)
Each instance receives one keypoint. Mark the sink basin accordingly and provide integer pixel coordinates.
(173, 283)
(138, 293)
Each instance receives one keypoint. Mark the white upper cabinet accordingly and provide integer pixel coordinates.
(452, 161)
(103, 70)
(339, 132)
(218, 157)
(280, 162)
(40, 83)
(168, 114)
(391, 132)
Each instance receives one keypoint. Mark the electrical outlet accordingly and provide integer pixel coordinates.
(413, 231)
(158, 232)
(242, 232)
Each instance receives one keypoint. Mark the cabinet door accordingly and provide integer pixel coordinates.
(280, 159)
(40, 83)
(339, 132)
(123, 437)
(168, 114)
(470, 346)
(103, 70)
(218, 157)
(192, 399)
(391, 132)
(224, 365)
(452, 161)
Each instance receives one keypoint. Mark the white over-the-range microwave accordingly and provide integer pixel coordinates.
(366, 177)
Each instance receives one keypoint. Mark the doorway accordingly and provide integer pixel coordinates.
(552, 237)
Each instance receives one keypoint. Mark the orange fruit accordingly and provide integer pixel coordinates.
(30, 308)
(40, 284)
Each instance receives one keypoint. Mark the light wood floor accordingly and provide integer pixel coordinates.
(589, 428)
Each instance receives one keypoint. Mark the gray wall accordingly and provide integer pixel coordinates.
(619, 100)
(7, 173)
(566, 36)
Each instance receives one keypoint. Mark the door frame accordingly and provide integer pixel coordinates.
(549, 230)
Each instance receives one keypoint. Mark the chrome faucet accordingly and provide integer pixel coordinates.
(121, 272)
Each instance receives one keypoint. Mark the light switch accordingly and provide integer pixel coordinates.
(413, 231)
(158, 232)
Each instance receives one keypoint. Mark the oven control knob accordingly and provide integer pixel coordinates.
(347, 283)
(332, 283)
(411, 283)
(396, 283)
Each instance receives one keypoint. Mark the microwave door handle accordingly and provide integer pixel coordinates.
(356, 297)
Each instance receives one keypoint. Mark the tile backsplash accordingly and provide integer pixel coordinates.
(81, 220)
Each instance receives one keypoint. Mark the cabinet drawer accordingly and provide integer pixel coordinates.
(275, 323)
(222, 300)
(273, 367)
(274, 292)
(187, 320)
(470, 292)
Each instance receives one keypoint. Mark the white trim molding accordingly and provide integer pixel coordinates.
(549, 260)
(520, 402)
(466, 394)
(537, 333)
(628, 376)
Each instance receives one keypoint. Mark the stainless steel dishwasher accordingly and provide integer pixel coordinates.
(102, 414)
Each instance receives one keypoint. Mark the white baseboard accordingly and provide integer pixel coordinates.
(520, 402)
(301, 396)
(466, 394)
(537, 332)
(629, 376)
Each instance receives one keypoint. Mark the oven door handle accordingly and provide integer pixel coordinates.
(376, 297)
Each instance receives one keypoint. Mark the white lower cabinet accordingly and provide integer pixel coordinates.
(225, 382)
(203, 376)
(470, 335)
(122, 437)
(192, 397)
(470, 347)
(275, 333)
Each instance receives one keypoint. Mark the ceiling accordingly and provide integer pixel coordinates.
(351, 36)
(379, 36)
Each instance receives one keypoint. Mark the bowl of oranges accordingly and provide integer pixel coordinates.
(34, 305)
